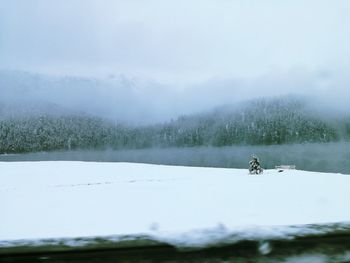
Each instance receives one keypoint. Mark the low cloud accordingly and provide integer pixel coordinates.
(142, 101)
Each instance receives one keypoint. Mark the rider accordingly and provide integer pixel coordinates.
(254, 162)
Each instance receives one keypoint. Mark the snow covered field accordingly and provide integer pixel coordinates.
(183, 205)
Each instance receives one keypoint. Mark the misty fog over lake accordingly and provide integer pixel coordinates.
(326, 157)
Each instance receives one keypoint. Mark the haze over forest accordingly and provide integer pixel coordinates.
(158, 72)
(138, 101)
(54, 113)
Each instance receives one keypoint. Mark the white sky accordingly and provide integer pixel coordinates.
(175, 42)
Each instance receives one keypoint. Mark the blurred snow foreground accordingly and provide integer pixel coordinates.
(44, 200)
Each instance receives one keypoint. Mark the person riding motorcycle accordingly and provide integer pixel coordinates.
(255, 165)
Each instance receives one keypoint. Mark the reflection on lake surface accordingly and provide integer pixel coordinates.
(326, 157)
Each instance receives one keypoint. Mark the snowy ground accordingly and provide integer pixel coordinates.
(40, 200)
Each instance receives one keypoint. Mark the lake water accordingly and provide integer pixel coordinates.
(326, 157)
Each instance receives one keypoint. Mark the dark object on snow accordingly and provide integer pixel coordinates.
(254, 166)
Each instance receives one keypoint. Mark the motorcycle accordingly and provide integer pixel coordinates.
(255, 169)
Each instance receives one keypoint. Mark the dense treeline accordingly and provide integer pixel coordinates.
(262, 122)
(47, 133)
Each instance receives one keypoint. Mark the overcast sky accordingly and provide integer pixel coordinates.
(175, 41)
(256, 46)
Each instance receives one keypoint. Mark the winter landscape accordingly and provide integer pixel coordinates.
(174, 131)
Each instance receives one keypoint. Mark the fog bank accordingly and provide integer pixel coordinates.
(143, 101)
